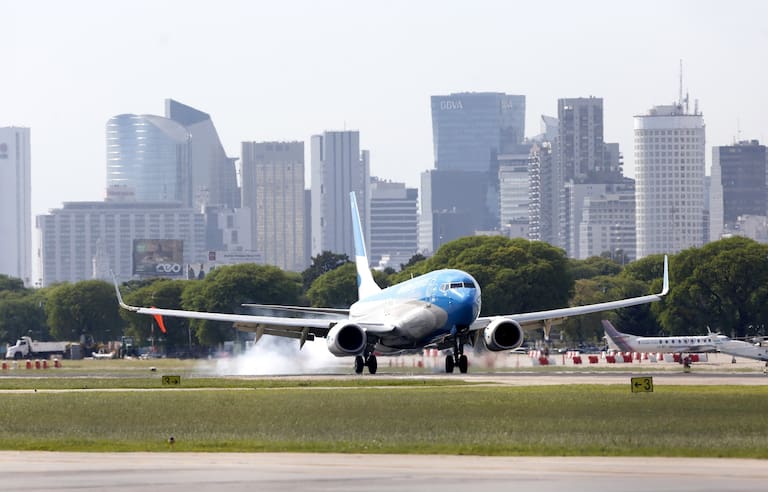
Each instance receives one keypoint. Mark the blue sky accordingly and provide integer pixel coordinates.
(290, 69)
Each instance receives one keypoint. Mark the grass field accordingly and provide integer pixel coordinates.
(421, 417)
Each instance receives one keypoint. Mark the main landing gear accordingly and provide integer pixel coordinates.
(369, 361)
(457, 359)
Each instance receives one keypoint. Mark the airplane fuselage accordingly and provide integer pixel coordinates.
(422, 310)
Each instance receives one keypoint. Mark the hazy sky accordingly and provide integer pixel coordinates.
(285, 70)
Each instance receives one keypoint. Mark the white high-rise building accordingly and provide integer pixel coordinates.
(338, 168)
(15, 204)
(669, 167)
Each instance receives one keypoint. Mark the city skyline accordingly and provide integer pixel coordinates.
(268, 72)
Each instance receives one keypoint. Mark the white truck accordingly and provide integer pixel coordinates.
(26, 348)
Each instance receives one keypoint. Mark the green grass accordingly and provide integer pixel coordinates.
(710, 421)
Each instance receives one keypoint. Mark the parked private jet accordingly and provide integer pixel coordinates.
(440, 309)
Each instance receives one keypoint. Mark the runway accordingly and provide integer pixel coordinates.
(172, 472)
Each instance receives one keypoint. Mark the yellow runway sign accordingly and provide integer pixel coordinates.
(171, 380)
(642, 385)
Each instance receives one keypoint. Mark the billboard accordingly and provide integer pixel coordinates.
(158, 257)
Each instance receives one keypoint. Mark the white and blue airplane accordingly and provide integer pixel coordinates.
(440, 309)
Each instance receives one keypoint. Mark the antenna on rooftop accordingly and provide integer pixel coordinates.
(680, 93)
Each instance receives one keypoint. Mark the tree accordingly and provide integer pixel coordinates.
(161, 293)
(413, 260)
(516, 275)
(722, 285)
(322, 263)
(593, 267)
(226, 288)
(12, 284)
(84, 308)
(337, 288)
(635, 319)
(22, 313)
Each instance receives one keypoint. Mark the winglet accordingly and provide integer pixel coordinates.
(119, 296)
(665, 284)
(366, 286)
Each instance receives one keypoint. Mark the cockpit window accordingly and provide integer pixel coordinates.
(457, 285)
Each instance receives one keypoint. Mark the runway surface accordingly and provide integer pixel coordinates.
(114, 472)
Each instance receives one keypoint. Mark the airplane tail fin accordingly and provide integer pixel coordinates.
(617, 340)
(366, 286)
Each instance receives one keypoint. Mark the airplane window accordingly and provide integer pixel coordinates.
(456, 285)
(444, 287)
(469, 285)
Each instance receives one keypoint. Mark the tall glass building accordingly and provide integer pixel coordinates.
(149, 155)
(214, 177)
(470, 128)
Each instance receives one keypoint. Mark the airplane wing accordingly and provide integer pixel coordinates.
(302, 328)
(545, 319)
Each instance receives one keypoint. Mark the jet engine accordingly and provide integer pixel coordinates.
(346, 339)
(503, 334)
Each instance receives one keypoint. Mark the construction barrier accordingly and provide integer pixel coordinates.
(29, 364)
(576, 359)
(5, 366)
(593, 359)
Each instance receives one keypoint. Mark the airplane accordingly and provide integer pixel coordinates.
(440, 309)
(739, 348)
(624, 342)
(712, 342)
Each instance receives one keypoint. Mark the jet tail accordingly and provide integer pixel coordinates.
(366, 286)
(617, 340)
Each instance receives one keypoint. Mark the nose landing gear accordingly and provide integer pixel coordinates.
(457, 359)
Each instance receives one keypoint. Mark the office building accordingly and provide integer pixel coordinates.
(607, 223)
(738, 185)
(445, 215)
(470, 128)
(149, 156)
(273, 189)
(514, 189)
(16, 204)
(214, 177)
(338, 168)
(394, 226)
(580, 139)
(669, 168)
(78, 239)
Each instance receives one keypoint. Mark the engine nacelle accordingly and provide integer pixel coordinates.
(346, 339)
(503, 334)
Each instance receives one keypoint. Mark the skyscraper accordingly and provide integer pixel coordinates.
(16, 204)
(470, 128)
(338, 168)
(469, 131)
(149, 155)
(739, 185)
(214, 177)
(580, 137)
(273, 189)
(669, 167)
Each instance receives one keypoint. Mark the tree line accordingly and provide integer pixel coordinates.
(722, 286)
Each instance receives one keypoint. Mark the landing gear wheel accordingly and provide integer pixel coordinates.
(359, 364)
(449, 364)
(372, 364)
(463, 364)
